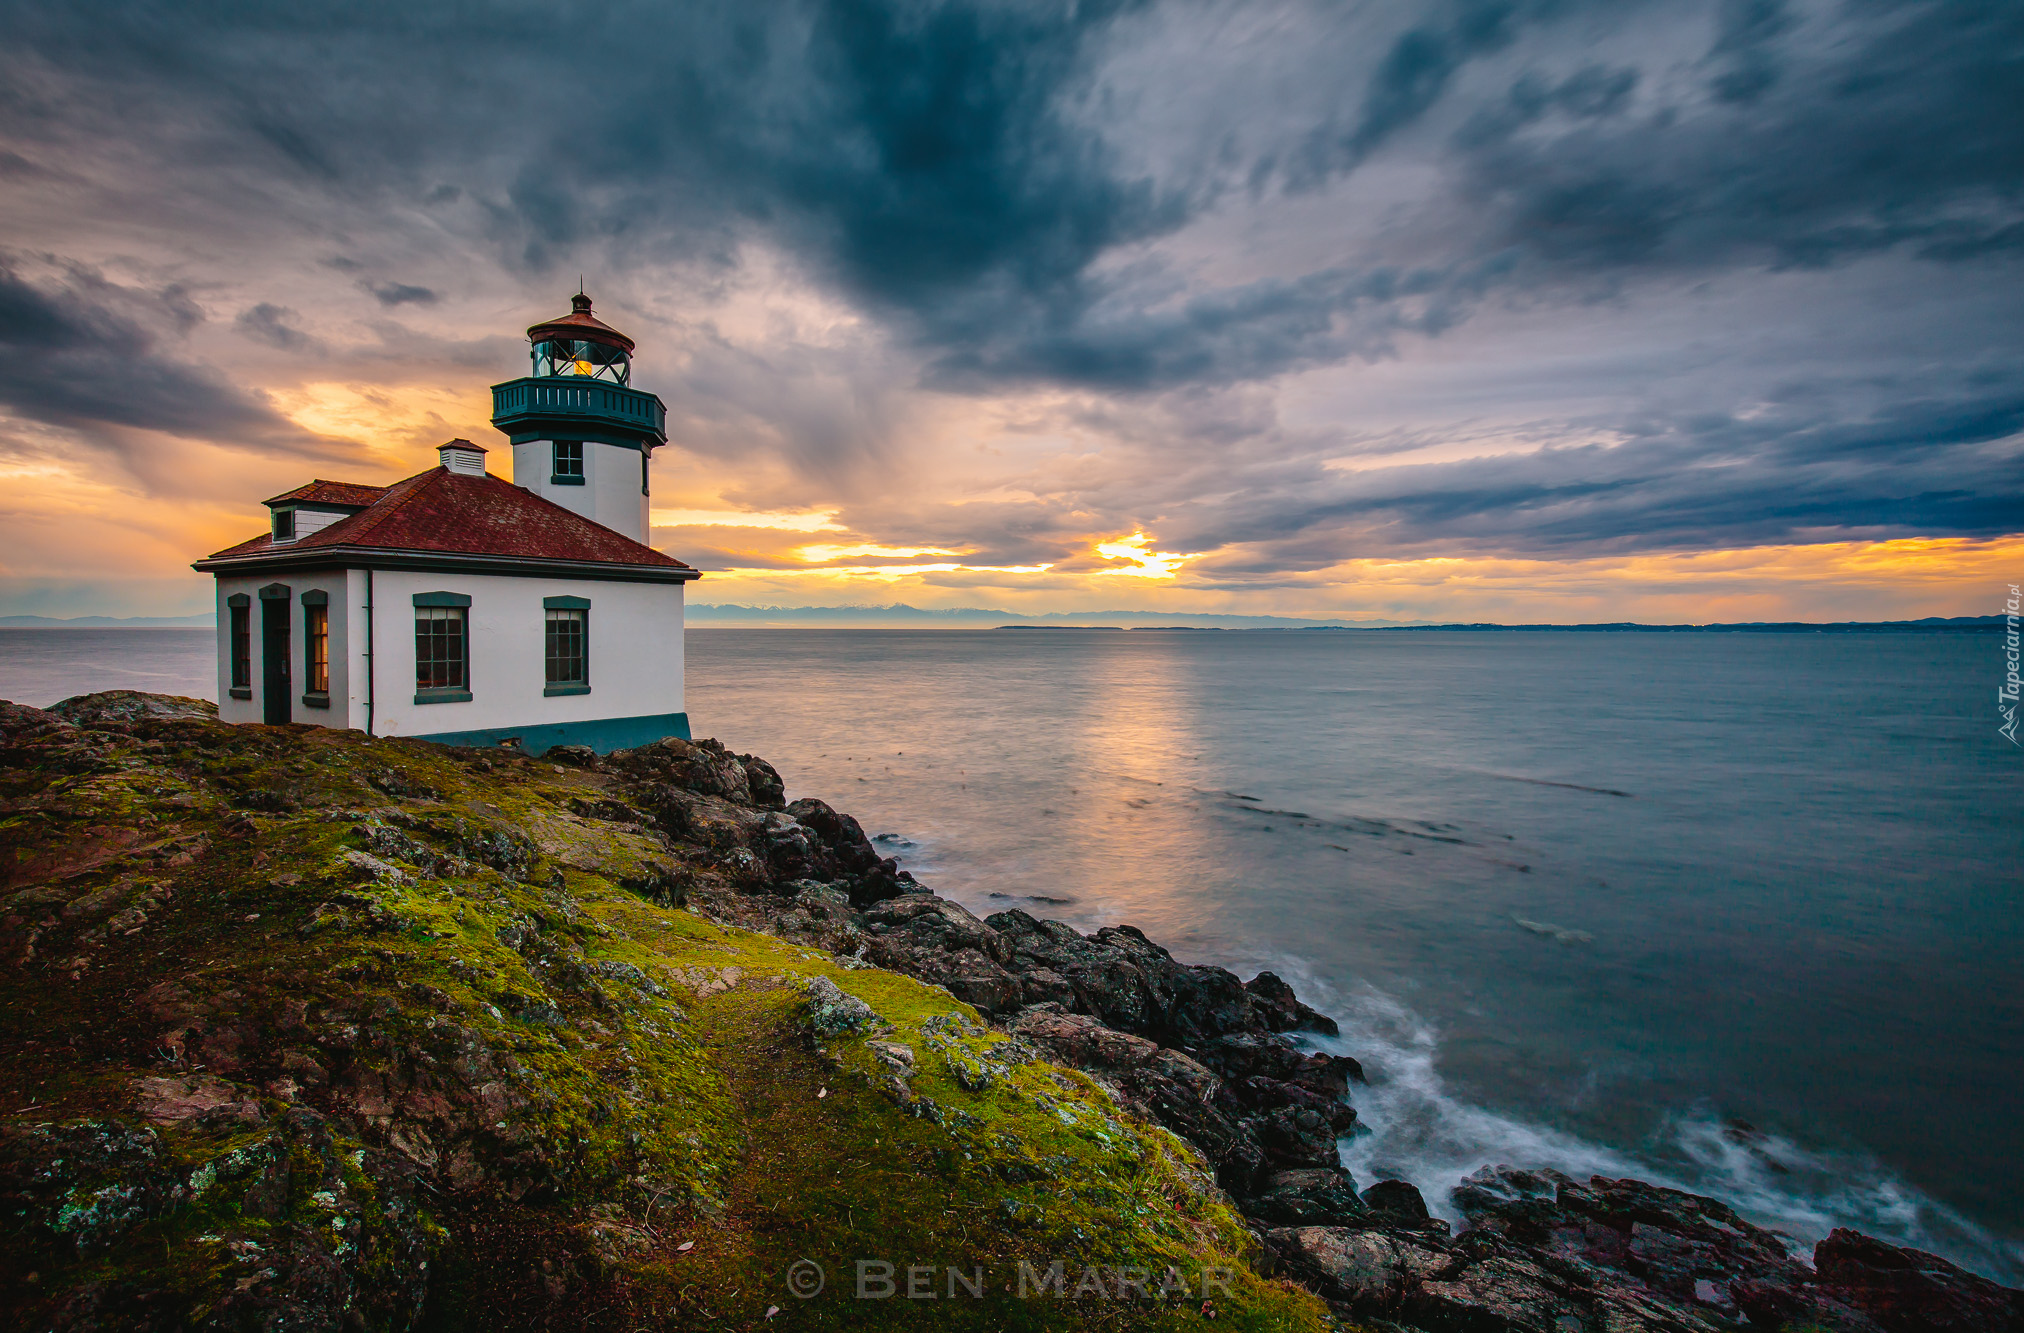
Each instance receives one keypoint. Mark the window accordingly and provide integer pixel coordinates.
(242, 648)
(568, 463)
(643, 473)
(568, 646)
(440, 662)
(284, 525)
(316, 648)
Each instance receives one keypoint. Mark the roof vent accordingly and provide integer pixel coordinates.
(463, 457)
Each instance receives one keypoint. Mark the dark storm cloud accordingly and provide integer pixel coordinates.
(1414, 75)
(401, 293)
(960, 173)
(269, 323)
(1899, 125)
(933, 160)
(1254, 331)
(1807, 469)
(84, 353)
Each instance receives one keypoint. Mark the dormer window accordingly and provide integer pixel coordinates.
(284, 525)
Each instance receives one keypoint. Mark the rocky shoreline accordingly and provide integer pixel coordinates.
(1211, 1058)
(1218, 1061)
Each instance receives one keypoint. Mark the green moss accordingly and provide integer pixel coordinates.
(621, 1077)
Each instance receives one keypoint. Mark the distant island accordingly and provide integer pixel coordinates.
(901, 616)
(1929, 625)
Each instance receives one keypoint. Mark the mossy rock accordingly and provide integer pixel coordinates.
(308, 1029)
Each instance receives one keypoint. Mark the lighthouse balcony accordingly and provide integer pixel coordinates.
(536, 407)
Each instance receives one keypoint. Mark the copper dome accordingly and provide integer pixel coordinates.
(579, 325)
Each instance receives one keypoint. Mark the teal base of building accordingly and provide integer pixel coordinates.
(603, 734)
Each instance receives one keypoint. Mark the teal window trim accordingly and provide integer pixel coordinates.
(239, 646)
(560, 480)
(315, 700)
(442, 649)
(315, 645)
(566, 645)
(276, 592)
(284, 525)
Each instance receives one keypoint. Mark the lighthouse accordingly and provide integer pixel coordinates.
(582, 436)
(456, 606)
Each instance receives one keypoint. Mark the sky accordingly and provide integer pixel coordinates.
(1511, 310)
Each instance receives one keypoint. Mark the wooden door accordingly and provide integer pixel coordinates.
(275, 684)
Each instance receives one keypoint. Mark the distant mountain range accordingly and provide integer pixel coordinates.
(205, 621)
(901, 616)
(1930, 624)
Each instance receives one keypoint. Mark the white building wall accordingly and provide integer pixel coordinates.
(635, 651)
(610, 493)
(635, 656)
(333, 583)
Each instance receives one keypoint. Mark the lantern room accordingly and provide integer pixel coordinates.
(580, 344)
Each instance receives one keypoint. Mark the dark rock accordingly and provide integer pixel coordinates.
(1297, 1136)
(768, 791)
(1368, 1270)
(87, 1183)
(703, 767)
(1130, 983)
(1251, 1054)
(19, 721)
(1905, 1290)
(1282, 1010)
(1399, 1200)
(1308, 1196)
(1080, 1040)
(132, 706)
(939, 941)
(574, 756)
(832, 1012)
(604, 808)
(1260, 1094)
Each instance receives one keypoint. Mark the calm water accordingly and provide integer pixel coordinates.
(1580, 899)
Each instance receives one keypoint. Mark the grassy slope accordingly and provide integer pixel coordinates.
(175, 908)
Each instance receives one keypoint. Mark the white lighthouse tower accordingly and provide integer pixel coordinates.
(582, 436)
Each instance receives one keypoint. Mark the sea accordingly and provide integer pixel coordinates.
(1738, 913)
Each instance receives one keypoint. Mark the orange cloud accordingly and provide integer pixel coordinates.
(1891, 580)
(1146, 562)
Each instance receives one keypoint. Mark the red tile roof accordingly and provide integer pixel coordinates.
(445, 513)
(331, 493)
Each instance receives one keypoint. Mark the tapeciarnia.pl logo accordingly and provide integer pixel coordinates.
(2006, 694)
